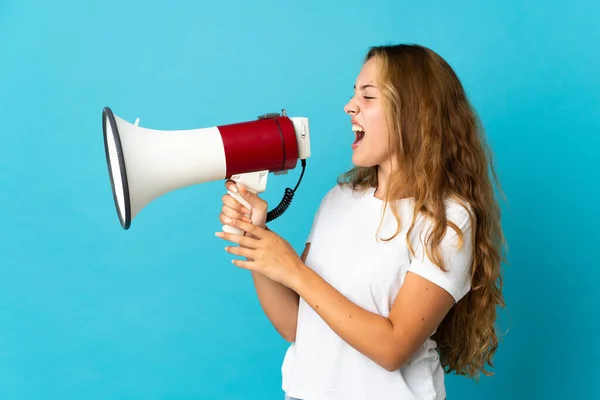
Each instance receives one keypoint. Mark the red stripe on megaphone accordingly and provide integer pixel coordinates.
(265, 144)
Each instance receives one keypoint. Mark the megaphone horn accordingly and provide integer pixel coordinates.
(146, 163)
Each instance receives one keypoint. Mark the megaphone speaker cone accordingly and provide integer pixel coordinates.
(116, 166)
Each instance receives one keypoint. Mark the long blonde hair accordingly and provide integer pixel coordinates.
(441, 152)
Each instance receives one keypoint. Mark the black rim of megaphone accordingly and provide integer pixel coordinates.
(107, 113)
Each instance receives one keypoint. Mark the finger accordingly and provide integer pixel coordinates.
(228, 212)
(239, 239)
(252, 198)
(240, 251)
(233, 204)
(223, 218)
(230, 185)
(246, 227)
(249, 265)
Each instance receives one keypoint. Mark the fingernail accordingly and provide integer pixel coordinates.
(227, 220)
(219, 234)
(233, 188)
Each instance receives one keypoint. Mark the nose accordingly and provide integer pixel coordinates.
(351, 108)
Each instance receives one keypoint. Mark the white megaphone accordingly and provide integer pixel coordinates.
(146, 163)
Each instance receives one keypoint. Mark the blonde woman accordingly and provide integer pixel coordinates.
(400, 277)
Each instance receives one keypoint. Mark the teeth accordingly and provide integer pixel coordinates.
(357, 128)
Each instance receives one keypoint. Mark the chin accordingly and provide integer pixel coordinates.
(359, 161)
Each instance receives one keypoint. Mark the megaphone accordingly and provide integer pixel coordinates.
(146, 163)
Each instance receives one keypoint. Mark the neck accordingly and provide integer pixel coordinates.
(383, 174)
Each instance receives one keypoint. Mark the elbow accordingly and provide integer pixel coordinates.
(291, 338)
(288, 333)
(393, 358)
(395, 351)
(392, 364)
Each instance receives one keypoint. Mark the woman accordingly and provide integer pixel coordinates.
(400, 277)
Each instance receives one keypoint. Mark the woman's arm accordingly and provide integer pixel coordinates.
(391, 340)
(388, 341)
(279, 303)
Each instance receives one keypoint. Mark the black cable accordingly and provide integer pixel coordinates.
(288, 196)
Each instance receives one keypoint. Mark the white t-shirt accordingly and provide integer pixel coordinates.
(344, 251)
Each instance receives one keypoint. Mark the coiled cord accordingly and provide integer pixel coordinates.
(286, 201)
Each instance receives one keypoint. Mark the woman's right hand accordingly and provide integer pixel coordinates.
(235, 210)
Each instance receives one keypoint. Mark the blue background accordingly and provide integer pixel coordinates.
(89, 311)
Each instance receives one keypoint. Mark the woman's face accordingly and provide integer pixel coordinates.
(371, 144)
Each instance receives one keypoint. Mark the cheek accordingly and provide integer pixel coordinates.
(381, 139)
(377, 126)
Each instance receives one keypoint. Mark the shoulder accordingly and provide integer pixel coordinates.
(460, 213)
(344, 192)
(457, 211)
(333, 194)
(338, 198)
(459, 216)
(451, 267)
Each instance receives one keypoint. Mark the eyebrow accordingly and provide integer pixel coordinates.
(363, 87)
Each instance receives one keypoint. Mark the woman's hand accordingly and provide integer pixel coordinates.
(234, 210)
(267, 253)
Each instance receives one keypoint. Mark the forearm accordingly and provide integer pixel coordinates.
(371, 334)
(279, 303)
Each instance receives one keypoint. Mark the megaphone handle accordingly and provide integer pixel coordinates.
(255, 182)
(242, 201)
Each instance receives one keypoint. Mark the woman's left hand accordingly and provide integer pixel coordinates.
(267, 253)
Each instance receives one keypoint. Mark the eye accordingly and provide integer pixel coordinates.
(368, 97)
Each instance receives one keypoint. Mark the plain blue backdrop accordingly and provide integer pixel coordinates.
(90, 311)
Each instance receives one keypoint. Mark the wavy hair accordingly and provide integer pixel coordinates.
(441, 153)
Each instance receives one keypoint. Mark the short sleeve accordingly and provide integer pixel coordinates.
(456, 280)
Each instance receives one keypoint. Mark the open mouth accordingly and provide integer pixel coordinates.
(359, 134)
